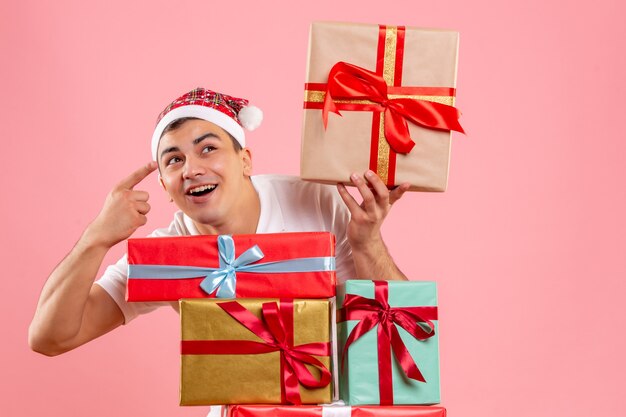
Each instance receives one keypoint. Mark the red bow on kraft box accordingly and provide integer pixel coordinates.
(348, 83)
(275, 332)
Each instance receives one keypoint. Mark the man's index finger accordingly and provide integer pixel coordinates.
(137, 176)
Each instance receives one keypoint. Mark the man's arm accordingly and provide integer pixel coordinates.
(371, 257)
(72, 310)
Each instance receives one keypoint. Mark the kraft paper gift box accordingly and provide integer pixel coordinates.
(290, 265)
(414, 78)
(255, 351)
(388, 342)
(333, 411)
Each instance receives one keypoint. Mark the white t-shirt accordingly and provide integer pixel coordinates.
(288, 204)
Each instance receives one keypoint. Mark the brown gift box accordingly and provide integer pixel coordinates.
(245, 378)
(429, 59)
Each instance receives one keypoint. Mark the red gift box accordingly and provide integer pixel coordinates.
(334, 411)
(288, 265)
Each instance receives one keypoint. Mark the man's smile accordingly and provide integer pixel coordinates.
(201, 190)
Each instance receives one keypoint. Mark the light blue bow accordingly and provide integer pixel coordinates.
(224, 278)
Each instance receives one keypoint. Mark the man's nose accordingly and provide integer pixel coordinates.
(193, 168)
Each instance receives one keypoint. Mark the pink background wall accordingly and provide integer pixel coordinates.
(528, 245)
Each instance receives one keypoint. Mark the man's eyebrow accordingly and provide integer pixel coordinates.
(168, 150)
(205, 136)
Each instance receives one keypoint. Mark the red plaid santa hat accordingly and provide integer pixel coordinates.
(230, 113)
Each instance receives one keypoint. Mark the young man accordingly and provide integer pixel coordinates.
(199, 149)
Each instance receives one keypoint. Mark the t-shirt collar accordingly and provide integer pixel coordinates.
(271, 219)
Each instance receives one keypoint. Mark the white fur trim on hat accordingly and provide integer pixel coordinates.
(200, 112)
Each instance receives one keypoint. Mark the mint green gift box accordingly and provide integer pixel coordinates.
(359, 378)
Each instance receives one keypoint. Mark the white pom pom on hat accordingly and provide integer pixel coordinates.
(230, 113)
(250, 117)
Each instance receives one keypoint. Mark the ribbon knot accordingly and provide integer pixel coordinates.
(386, 316)
(350, 82)
(224, 279)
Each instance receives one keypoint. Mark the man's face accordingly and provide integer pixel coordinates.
(202, 172)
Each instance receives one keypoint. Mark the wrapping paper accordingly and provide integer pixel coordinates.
(237, 377)
(360, 379)
(333, 411)
(415, 63)
(149, 257)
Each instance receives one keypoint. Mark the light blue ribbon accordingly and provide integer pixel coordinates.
(224, 278)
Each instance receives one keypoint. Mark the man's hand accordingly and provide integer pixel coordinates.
(123, 212)
(367, 217)
(371, 258)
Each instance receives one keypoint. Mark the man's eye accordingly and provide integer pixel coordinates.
(208, 149)
(173, 160)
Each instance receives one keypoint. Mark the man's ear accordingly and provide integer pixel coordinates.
(162, 183)
(165, 189)
(246, 157)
